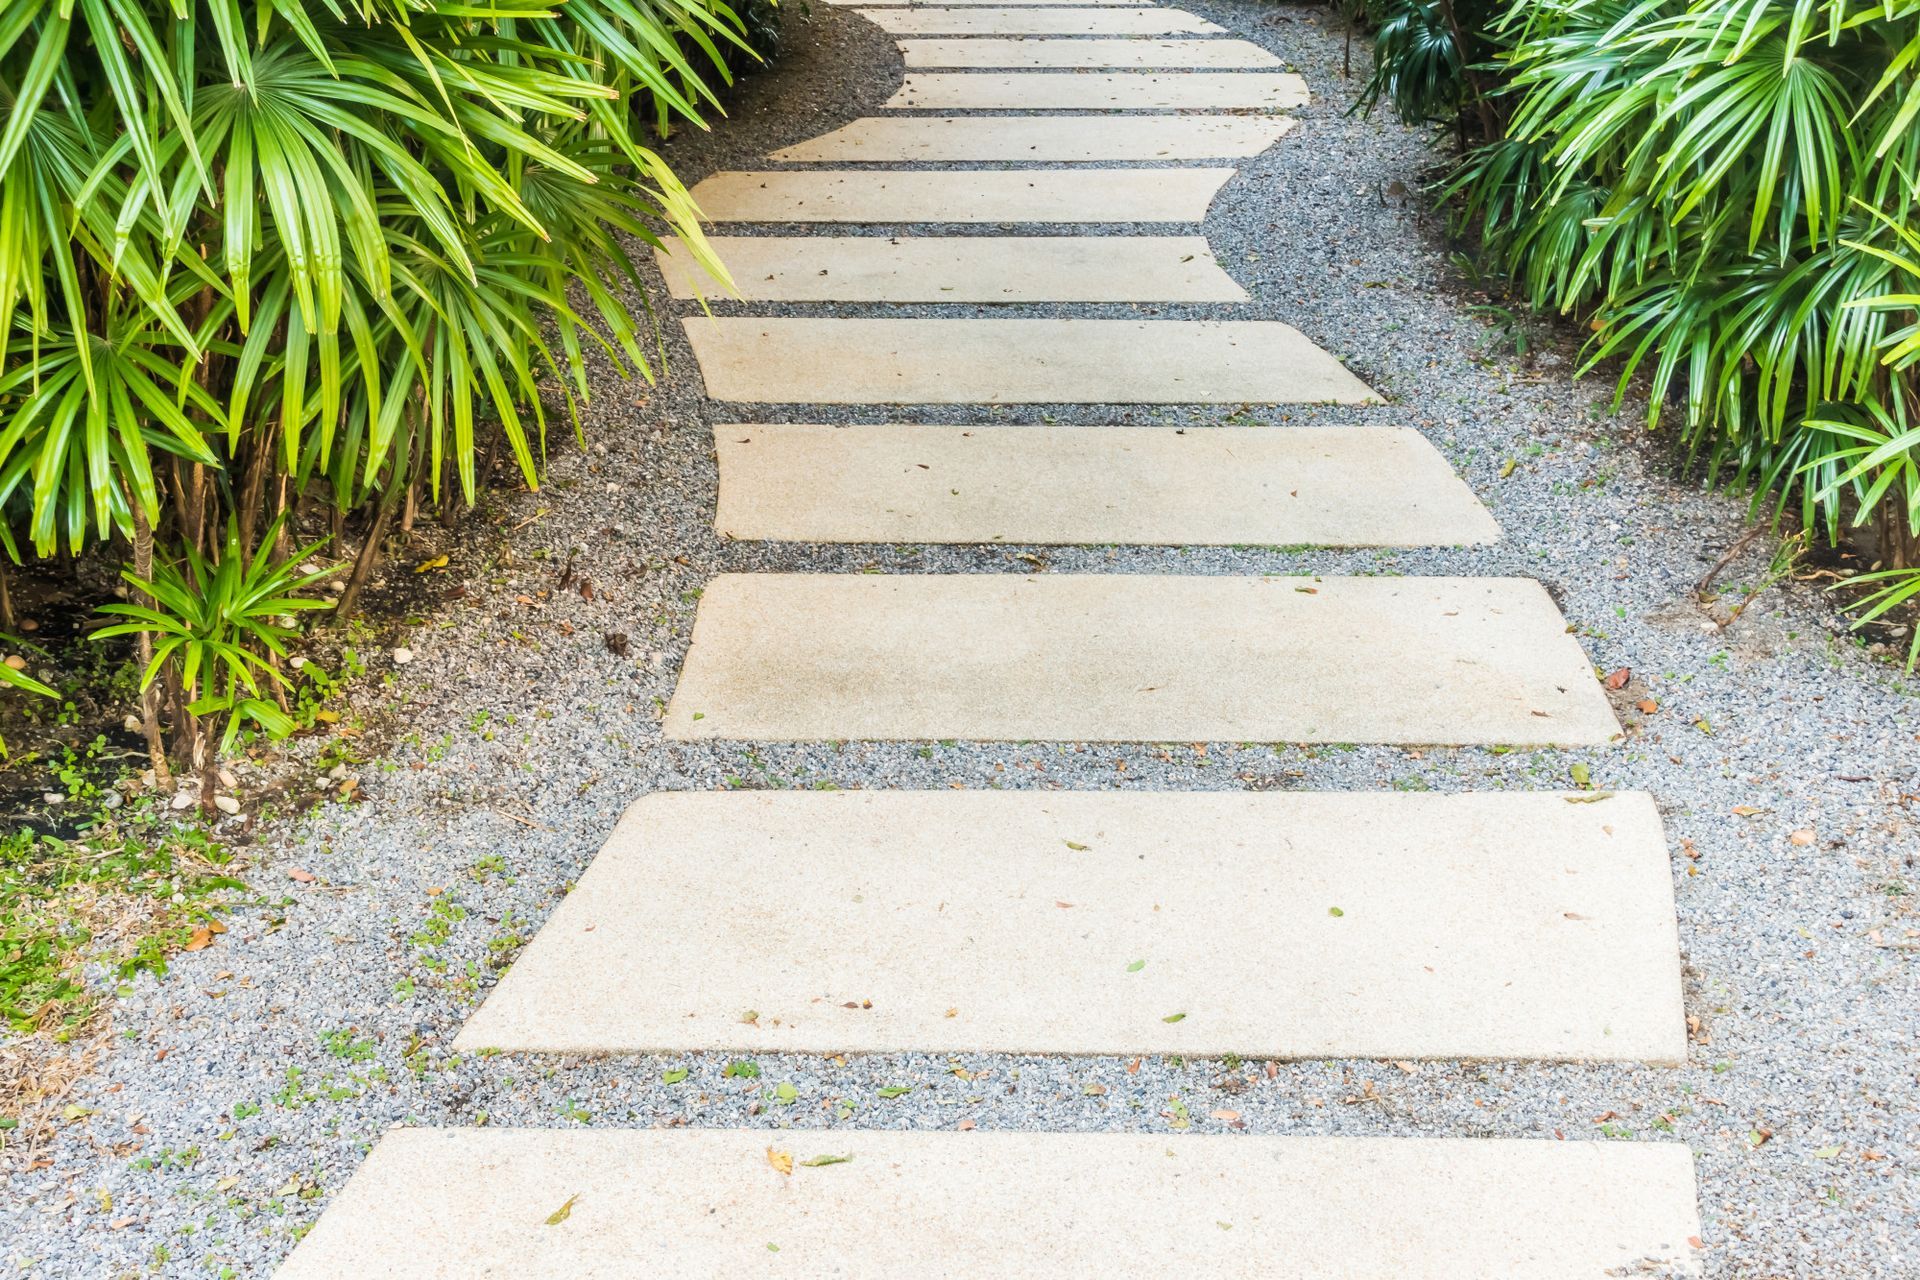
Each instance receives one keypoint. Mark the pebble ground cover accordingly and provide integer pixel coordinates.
(244, 1086)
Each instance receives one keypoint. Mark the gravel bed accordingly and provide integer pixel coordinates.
(247, 1085)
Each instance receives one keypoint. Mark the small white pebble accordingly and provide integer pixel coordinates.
(402, 656)
(226, 804)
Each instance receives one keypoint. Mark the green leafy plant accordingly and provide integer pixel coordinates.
(223, 625)
(1727, 192)
(13, 679)
(316, 257)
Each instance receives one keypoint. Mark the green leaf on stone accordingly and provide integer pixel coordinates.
(1076, 846)
(818, 1161)
(895, 1090)
(1136, 966)
(743, 1069)
(1335, 911)
(1173, 1017)
(785, 1094)
(565, 1211)
(674, 1076)
(1581, 775)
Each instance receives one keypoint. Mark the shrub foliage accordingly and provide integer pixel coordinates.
(1729, 192)
(260, 251)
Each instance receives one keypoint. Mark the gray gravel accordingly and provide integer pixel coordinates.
(249, 1083)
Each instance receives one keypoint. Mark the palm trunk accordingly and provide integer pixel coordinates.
(149, 717)
(405, 461)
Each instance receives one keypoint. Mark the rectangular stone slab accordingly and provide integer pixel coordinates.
(1110, 91)
(1275, 486)
(1013, 52)
(927, 20)
(1272, 925)
(1041, 138)
(1125, 658)
(985, 361)
(961, 195)
(456, 1204)
(957, 269)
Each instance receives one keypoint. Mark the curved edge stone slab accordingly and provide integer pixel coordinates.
(826, 268)
(1047, 139)
(1108, 91)
(816, 360)
(1038, 196)
(1263, 486)
(1013, 52)
(980, 20)
(455, 1204)
(1135, 658)
(1270, 925)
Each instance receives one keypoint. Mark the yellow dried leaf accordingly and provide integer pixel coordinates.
(782, 1161)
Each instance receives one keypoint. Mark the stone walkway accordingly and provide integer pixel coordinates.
(1483, 926)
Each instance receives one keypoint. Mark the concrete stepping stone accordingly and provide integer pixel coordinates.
(989, 361)
(1114, 91)
(961, 195)
(1042, 138)
(1087, 21)
(453, 1204)
(1339, 925)
(1014, 52)
(958, 269)
(1277, 486)
(1124, 658)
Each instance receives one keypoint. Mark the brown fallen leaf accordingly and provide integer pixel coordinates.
(1225, 1115)
(781, 1161)
(200, 940)
(1647, 706)
(301, 877)
(1617, 679)
(1802, 837)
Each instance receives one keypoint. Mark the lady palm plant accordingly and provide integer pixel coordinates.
(258, 250)
(223, 622)
(1729, 191)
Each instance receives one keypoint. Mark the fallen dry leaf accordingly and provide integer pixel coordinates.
(1618, 678)
(1647, 706)
(781, 1161)
(200, 940)
(1802, 837)
(300, 877)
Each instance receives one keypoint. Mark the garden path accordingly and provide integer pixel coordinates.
(1497, 925)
